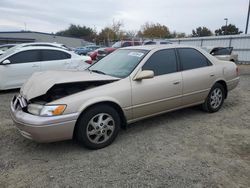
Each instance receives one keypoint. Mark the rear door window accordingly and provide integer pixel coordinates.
(191, 58)
(149, 43)
(221, 51)
(51, 55)
(125, 44)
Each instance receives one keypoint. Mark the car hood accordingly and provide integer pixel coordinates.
(40, 82)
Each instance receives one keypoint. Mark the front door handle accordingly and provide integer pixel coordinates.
(34, 65)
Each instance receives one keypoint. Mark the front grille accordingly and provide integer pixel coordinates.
(19, 101)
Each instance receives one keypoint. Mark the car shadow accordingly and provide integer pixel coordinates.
(9, 91)
(125, 134)
(167, 117)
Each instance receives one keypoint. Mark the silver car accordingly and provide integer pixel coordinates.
(128, 85)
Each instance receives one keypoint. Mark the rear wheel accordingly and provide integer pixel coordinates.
(98, 127)
(214, 99)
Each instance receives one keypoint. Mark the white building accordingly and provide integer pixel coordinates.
(31, 36)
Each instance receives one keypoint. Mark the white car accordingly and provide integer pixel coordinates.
(5, 47)
(45, 44)
(19, 63)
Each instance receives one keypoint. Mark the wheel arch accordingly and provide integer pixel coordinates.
(113, 104)
(224, 84)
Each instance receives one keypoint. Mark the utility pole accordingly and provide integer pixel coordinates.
(247, 18)
(25, 26)
(226, 26)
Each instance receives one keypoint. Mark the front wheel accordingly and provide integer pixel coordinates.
(214, 99)
(98, 127)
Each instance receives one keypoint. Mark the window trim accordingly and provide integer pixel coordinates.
(180, 63)
(177, 62)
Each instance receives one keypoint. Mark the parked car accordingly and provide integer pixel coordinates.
(93, 54)
(45, 44)
(128, 85)
(19, 63)
(120, 44)
(84, 50)
(5, 47)
(222, 53)
(156, 42)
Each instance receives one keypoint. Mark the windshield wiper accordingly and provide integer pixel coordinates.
(99, 72)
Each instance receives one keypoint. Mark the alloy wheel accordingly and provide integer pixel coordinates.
(100, 128)
(216, 98)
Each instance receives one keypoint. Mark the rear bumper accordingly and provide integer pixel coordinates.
(43, 129)
(231, 84)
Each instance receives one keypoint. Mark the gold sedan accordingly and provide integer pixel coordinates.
(128, 85)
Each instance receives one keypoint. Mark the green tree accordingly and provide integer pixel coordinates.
(78, 31)
(228, 30)
(155, 30)
(106, 35)
(201, 32)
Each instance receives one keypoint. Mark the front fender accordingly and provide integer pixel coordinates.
(97, 100)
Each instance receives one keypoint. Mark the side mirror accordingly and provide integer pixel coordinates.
(145, 74)
(6, 61)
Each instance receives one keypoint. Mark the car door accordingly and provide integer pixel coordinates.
(55, 60)
(198, 75)
(160, 93)
(22, 65)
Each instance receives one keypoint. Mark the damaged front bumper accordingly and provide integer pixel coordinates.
(39, 128)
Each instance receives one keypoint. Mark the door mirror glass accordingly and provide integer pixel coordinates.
(145, 74)
(6, 61)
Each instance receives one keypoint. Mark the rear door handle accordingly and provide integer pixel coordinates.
(211, 75)
(176, 82)
(34, 65)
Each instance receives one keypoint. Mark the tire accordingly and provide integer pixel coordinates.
(215, 99)
(98, 127)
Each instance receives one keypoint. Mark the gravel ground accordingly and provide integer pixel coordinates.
(186, 148)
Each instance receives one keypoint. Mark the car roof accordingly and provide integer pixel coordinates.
(3, 45)
(46, 44)
(41, 48)
(158, 47)
(18, 48)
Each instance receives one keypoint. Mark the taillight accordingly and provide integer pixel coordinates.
(237, 71)
(89, 61)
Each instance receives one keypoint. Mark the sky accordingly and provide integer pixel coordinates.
(178, 15)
